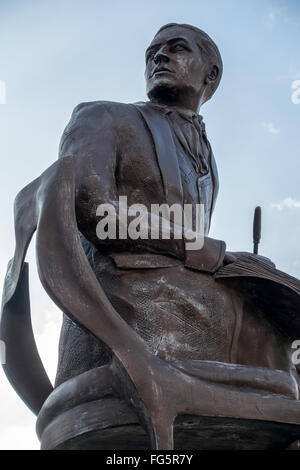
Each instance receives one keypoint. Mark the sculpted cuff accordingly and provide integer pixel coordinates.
(209, 258)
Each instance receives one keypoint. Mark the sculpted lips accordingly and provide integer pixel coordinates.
(160, 70)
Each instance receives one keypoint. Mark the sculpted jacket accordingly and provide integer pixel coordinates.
(140, 152)
(153, 155)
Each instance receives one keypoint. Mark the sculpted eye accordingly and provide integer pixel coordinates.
(149, 56)
(178, 47)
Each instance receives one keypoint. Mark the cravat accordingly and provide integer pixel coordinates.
(190, 133)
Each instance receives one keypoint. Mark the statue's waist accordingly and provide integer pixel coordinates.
(208, 259)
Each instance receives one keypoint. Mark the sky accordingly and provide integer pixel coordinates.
(55, 54)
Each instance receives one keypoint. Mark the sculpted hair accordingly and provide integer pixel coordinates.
(209, 51)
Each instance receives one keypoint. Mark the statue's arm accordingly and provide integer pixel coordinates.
(92, 138)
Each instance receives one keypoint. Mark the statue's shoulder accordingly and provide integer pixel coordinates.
(113, 118)
(101, 110)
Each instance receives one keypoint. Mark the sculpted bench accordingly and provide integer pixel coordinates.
(237, 409)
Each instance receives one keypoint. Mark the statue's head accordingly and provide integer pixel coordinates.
(183, 66)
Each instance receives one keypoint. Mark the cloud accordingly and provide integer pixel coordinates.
(296, 94)
(291, 21)
(19, 437)
(270, 127)
(280, 15)
(47, 343)
(17, 422)
(273, 16)
(287, 203)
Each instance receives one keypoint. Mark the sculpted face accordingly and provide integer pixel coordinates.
(176, 72)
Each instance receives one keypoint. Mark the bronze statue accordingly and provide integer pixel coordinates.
(155, 337)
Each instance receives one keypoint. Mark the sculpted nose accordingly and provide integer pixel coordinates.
(161, 56)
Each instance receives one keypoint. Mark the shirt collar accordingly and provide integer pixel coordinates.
(186, 114)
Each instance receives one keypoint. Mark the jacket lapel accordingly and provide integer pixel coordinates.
(165, 151)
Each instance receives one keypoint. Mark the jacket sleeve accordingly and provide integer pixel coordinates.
(91, 138)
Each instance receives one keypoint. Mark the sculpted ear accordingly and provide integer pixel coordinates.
(212, 75)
